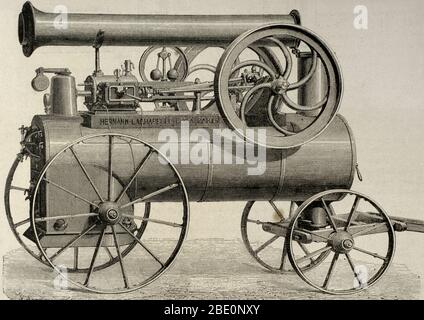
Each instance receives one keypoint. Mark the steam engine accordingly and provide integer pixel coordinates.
(93, 164)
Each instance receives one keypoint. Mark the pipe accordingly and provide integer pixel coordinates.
(38, 28)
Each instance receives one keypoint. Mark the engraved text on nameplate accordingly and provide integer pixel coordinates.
(151, 121)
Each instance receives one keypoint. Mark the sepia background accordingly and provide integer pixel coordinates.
(383, 69)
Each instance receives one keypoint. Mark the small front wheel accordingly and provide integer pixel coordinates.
(357, 236)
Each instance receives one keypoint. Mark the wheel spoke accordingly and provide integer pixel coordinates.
(292, 209)
(18, 188)
(73, 241)
(303, 247)
(287, 56)
(82, 215)
(110, 171)
(271, 108)
(330, 271)
(247, 97)
(329, 215)
(256, 221)
(299, 107)
(109, 253)
(136, 173)
(375, 255)
(142, 244)
(313, 254)
(21, 223)
(283, 257)
(86, 173)
(76, 258)
(93, 260)
(308, 77)
(277, 211)
(350, 219)
(352, 266)
(121, 262)
(266, 244)
(171, 224)
(151, 195)
(70, 192)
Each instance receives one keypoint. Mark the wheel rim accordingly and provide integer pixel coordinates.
(9, 213)
(109, 221)
(282, 264)
(361, 243)
(277, 136)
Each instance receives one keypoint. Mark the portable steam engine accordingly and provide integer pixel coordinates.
(96, 175)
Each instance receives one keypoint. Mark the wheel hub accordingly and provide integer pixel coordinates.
(342, 242)
(279, 85)
(109, 212)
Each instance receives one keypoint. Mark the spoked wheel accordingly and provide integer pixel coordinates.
(282, 129)
(20, 223)
(101, 202)
(359, 237)
(268, 249)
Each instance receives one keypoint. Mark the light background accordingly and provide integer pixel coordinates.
(383, 70)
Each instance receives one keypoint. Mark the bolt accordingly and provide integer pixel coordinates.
(348, 244)
(60, 225)
(112, 214)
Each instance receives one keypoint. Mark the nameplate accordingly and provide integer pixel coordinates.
(122, 121)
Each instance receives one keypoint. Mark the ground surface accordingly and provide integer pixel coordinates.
(205, 269)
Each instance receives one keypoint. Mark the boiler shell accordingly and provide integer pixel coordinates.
(328, 162)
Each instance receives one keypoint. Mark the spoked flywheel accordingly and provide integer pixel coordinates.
(283, 130)
(357, 234)
(107, 231)
(266, 248)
